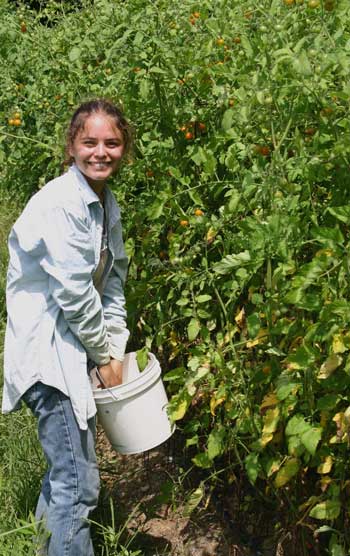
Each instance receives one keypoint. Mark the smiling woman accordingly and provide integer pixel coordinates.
(98, 150)
(98, 139)
(66, 315)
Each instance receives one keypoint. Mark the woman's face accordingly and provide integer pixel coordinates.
(98, 149)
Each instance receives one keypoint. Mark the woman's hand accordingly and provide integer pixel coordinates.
(111, 374)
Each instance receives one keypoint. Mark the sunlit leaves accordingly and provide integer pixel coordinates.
(286, 472)
(327, 510)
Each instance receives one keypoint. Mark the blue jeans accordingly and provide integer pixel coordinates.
(70, 487)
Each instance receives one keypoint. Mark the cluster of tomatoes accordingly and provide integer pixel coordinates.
(194, 17)
(15, 120)
(192, 129)
(313, 4)
(197, 212)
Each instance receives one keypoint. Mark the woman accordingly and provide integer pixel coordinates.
(66, 314)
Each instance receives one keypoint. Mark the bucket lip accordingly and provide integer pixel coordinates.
(149, 375)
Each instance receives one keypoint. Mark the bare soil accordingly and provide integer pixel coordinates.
(150, 498)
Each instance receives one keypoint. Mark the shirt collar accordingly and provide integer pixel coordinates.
(90, 196)
(87, 191)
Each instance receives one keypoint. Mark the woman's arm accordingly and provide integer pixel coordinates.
(69, 260)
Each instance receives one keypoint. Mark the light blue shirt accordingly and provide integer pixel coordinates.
(57, 320)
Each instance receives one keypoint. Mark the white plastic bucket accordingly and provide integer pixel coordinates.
(133, 415)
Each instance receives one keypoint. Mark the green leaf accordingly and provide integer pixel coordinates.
(227, 119)
(74, 54)
(341, 213)
(193, 500)
(202, 460)
(247, 46)
(287, 472)
(142, 358)
(253, 324)
(328, 402)
(205, 158)
(175, 374)
(301, 359)
(231, 261)
(252, 467)
(193, 329)
(144, 89)
(311, 438)
(203, 298)
(337, 550)
(285, 386)
(178, 405)
(216, 443)
(302, 64)
(297, 425)
(157, 69)
(330, 509)
(295, 446)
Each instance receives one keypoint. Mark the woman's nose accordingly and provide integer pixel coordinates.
(100, 150)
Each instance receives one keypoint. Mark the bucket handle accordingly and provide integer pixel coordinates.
(106, 387)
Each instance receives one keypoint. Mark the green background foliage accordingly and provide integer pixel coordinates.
(236, 215)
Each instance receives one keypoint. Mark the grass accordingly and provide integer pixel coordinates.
(21, 459)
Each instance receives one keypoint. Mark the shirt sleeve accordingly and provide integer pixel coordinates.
(69, 260)
(113, 299)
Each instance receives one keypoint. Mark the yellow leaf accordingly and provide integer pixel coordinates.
(325, 466)
(259, 339)
(347, 416)
(340, 420)
(329, 366)
(269, 400)
(211, 233)
(287, 472)
(338, 344)
(214, 402)
(180, 411)
(266, 438)
(240, 318)
(327, 252)
(271, 420)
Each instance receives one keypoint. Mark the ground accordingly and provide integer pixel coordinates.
(149, 496)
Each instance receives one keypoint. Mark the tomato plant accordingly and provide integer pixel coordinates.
(236, 215)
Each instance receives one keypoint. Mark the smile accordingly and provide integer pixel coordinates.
(99, 165)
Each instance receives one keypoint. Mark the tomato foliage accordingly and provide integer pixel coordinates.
(235, 212)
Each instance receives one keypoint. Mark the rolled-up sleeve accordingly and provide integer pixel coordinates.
(69, 261)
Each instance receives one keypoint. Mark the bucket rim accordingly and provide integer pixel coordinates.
(126, 390)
